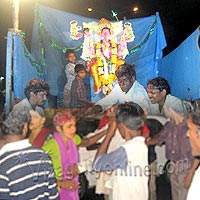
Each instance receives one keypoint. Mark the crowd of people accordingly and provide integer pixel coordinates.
(39, 158)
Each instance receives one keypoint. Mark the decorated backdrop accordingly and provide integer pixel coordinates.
(52, 37)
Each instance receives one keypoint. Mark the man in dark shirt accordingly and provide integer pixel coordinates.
(182, 165)
(36, 95)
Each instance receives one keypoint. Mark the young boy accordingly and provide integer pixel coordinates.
(70, 74)
(129, 161)
(79, 90)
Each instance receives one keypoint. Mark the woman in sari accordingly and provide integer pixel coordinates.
(64, 155)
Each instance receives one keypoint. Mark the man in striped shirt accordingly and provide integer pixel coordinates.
(26, 172)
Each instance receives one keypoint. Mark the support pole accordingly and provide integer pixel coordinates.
(9, 56)
(15, 15)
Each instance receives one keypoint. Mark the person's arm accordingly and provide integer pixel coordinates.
(193, 134)
(160, 137)
(110, 99)
(4, 188)
(84, 100)
(81, 92)
(151, 141)
(189, 177)
(111, 161)
(86, 142)
(105, 144)
(195, 144)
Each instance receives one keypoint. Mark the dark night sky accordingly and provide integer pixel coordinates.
(179, 17)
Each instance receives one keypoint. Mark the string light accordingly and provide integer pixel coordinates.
(135, 9)
(90, 9)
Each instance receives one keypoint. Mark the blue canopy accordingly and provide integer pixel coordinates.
(182, 68)
(51, 39)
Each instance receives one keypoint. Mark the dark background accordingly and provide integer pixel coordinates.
(179, 17)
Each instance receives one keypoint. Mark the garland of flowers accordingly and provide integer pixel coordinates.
(138, 47)
(40, 68)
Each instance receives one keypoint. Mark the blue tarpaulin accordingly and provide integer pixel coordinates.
(23, 69)
(182, 68)
(51, 39)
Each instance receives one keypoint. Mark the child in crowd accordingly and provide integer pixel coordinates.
(64, 155)
(79, 90)
(70, 75)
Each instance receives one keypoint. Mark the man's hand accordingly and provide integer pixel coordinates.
(74, 170)
(112, 128)
(175, 116)
(111, 111)
(147, 141)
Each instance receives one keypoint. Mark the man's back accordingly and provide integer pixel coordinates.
(131, 182)
(26, 174)
(24, 104)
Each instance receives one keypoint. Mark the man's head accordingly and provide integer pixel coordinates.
(194, 132)
(16, 124)
(126, 76)
(194, 122)
(158, 88)
(80, 71)
(130, 116)
(36, 91)
(71, 56)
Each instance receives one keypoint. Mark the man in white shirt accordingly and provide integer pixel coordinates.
(159, 93)
(130, 161)
(128, 89)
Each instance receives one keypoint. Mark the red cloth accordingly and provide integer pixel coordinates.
(145, 130)
(105, 120)
(41, 137)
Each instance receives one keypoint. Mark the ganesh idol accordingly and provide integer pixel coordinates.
(105, 52)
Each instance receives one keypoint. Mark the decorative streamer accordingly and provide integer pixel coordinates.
(41, 67)
(139, 46)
